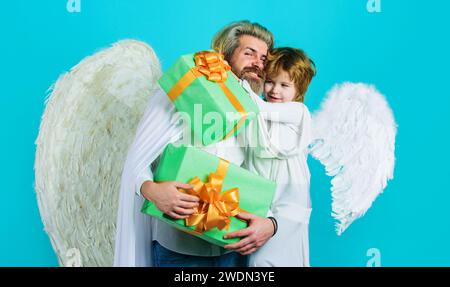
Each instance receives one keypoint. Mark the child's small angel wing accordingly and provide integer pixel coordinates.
(89, 121)
(354, 138)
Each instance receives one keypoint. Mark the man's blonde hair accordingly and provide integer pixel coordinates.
(297, 64)
(227, 39)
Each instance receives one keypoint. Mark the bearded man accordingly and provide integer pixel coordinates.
(145, 241)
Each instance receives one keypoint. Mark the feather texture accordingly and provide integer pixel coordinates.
(354, 138)
(90, 119)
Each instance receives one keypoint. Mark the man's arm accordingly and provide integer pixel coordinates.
(159, 126)
(165, 195)
(146, 175)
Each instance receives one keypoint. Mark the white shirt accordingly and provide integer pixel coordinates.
(277, 149)
(170, 237)
(159, 126)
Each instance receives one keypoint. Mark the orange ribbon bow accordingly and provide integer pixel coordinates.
(213, 66)
(215, 208)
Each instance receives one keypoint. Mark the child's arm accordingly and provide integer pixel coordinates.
(290, 137)
(289, 113)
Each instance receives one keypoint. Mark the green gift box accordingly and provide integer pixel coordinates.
(185, 163)
(215, 108)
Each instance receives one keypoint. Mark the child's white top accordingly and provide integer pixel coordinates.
(276, 148)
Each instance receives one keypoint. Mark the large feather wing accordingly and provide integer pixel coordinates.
(89, 121)
(354, 138)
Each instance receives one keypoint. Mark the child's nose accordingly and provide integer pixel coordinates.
(275, 89)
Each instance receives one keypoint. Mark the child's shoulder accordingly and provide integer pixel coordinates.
(302, 106)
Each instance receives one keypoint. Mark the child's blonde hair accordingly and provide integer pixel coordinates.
(296, 63)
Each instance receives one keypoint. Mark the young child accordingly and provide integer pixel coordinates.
(276, 148)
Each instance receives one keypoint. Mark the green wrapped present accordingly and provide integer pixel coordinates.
(224, 190)
(202, 86)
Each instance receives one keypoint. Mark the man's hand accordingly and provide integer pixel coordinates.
(168, 199)
(260, 230)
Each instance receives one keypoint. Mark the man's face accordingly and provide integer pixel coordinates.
(247, 61)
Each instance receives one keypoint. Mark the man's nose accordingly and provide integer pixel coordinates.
(258, 63)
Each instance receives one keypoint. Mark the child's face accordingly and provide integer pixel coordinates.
(279, 89)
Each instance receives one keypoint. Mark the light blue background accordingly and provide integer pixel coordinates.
(402, 50)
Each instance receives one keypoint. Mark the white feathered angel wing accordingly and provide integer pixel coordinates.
(89, 121)
(354, 138)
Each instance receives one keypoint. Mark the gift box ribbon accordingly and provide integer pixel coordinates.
(213, 66)
(215, 208)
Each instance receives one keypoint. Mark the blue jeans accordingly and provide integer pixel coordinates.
(163, 257)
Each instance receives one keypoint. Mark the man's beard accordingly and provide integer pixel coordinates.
(257, 84)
